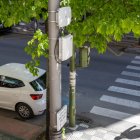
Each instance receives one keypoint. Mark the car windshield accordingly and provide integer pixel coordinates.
(39, 83)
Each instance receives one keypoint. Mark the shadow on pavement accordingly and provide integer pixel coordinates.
(129, 133)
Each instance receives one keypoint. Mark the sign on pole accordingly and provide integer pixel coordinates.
(61, 117)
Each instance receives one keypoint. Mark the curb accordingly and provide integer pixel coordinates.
(135, 50)
(22, 31)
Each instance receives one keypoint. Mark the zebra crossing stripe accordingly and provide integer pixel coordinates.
(137, 57)
(133, 67)
(109, 113)
(126, 91)
(115, 114)
(133, 74)
(135, 62)
(126, 81)
(120, 101)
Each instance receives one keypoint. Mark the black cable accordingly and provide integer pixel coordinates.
(56, 52)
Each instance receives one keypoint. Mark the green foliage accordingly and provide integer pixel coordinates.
(36, 48)
(94, 21)
(101, 21)
(14, 11)
(63, 133)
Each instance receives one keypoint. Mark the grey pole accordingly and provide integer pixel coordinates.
(54, 70)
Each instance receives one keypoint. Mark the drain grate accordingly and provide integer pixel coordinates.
(83, 120)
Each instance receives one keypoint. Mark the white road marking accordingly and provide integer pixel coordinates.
(124, 90)
(133, 67)
(135, 62)
(120, 101)
(116, 114)
(126, 81)
(133, 74)
(109, 113)
(137, 57)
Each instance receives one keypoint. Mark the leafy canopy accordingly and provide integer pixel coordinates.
(100, 21)
(94, 21)
(14, 11)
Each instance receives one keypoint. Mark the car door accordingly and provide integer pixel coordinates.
(10, 90)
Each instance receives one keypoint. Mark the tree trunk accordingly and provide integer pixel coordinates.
(72, 96)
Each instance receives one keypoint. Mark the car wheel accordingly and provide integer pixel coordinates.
(24, 111)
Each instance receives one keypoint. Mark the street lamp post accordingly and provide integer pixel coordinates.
(54, 70)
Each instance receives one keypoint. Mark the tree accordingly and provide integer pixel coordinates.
(12, 12)
(105, 20)
(97, 22)
(100, 22)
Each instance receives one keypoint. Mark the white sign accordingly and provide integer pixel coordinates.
(61, 117)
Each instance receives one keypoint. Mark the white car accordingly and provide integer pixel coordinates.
(21, 91)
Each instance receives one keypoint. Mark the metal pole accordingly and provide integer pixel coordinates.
(48, 104)
(47, 92)
(54, 70)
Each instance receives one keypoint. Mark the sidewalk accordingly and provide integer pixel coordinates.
(93, 132)
(4, 136)
(85, 132)
(12, 129)
(86, 129)
(135, 50)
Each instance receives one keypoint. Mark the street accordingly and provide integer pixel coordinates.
(107, 91)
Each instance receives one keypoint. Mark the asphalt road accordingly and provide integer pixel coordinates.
(106, 87)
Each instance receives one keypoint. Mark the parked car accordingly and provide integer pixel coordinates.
(21, 91)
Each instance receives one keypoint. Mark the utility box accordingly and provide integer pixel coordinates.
(65, 47)
(84, 56)
(63, 16)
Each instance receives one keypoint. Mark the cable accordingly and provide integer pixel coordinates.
(56, 53)
(56, 50)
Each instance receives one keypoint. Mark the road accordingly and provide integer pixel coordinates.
(107, 91)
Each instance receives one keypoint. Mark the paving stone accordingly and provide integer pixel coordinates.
(77, 134)
(90, 132)
(95, 138)
(109, 136)
(99, 134)
(102, 131)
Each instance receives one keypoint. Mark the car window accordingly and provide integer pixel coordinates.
(40, 83)
(10, 82)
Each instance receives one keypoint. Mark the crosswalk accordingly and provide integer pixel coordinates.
(132, 74)
(121, 96)
(133, 67)
(126, 91)
(126, 81)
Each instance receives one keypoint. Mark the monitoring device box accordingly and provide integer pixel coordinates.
(63, 16)
(65, 47)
